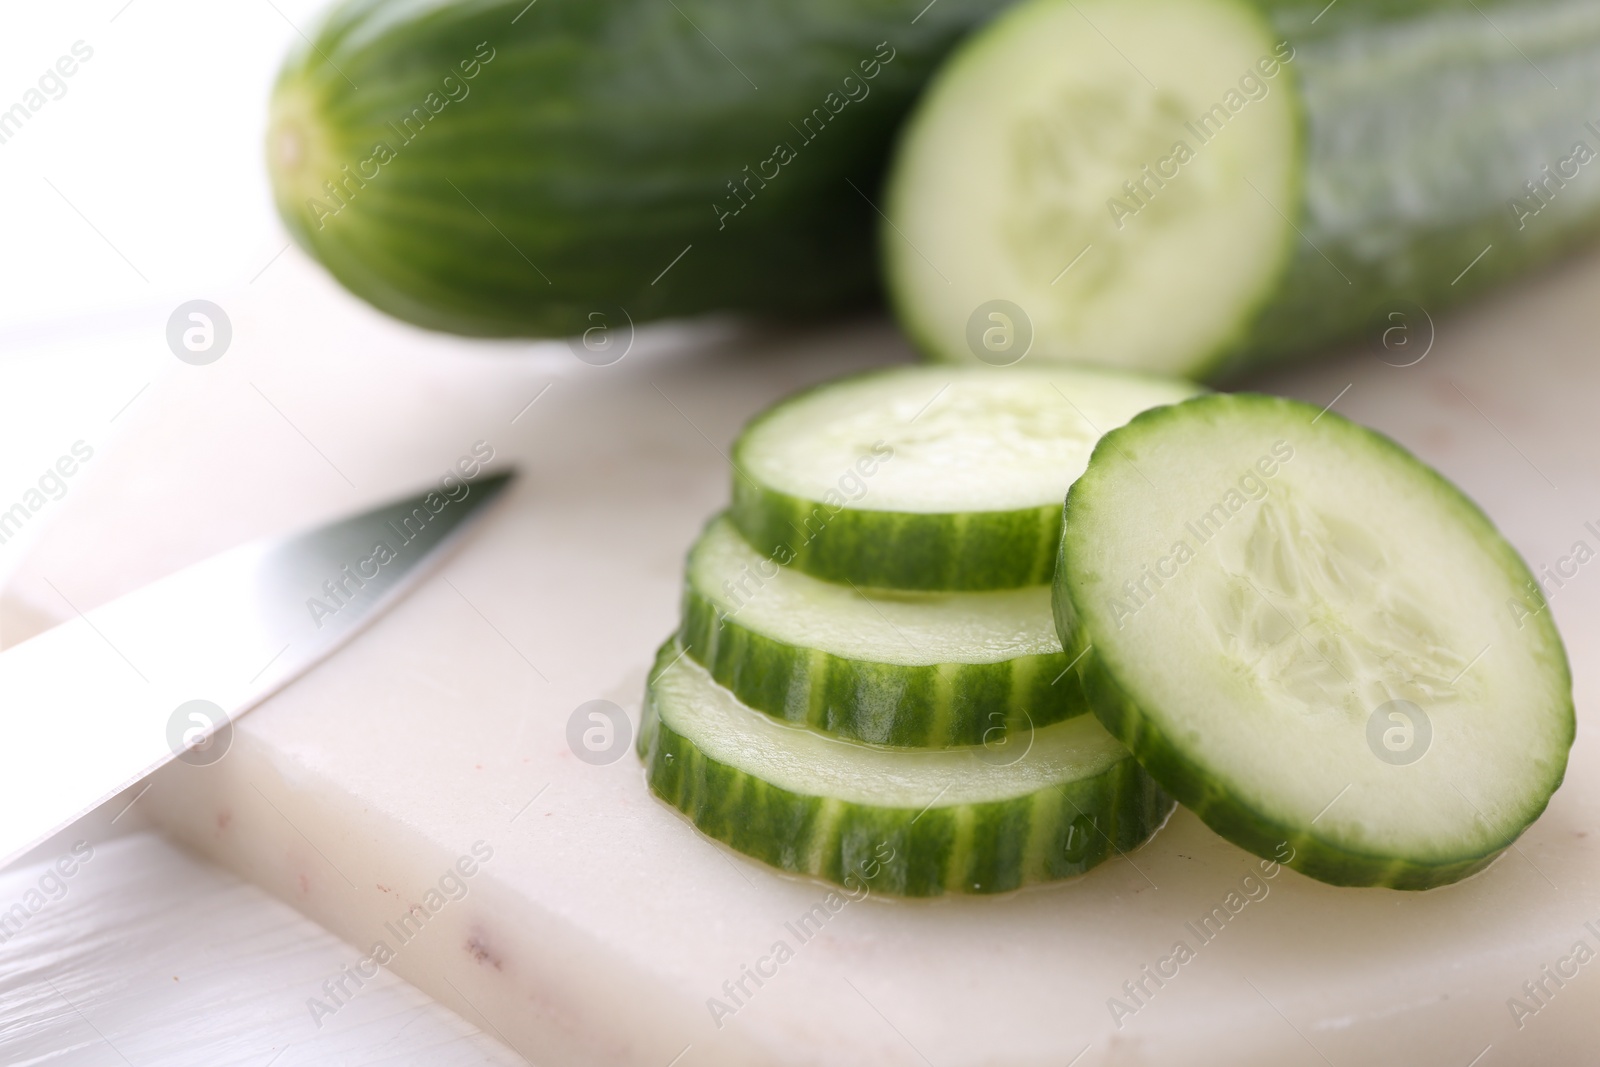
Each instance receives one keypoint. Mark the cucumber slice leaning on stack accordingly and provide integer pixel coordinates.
(1195, 186)
(1310, 638)
(913, 724)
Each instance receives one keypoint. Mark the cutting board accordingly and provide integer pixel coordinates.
(601, 926)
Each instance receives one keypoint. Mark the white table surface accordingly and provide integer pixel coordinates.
(146, 955)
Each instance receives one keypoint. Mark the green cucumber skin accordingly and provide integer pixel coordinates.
(596, 142)
(1312, 304)
(932, 706)
(958, 849)
(915, 551)
(1190, 785)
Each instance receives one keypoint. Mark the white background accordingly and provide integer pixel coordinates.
(157, 141)
(141, 187)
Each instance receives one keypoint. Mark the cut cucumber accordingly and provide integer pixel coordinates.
(929, 477)
(1277, 174)
(904, 823)
(922, 670)
(1303, 634)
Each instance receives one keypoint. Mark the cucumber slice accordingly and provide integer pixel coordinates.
(1281, 174)
(1307, 636)
(923, 670)
(902, 823)
(924, 478)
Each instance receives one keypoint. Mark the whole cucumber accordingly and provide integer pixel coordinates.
(1202, 186)
(507, 167)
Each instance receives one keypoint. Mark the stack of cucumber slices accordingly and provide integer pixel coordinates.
(893, 640)
(868, 686)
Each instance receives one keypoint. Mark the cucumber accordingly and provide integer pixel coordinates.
(900, 823)
(914, 670)
(498, 167)
(1279, 174)
(1309, 637)
(929, 478)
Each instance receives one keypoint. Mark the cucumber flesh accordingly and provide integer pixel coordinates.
(929, 477)
(911, 823)
(900, 669)
(1033, 129)
(1302, 633)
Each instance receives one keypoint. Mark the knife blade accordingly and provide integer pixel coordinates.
(97, 703)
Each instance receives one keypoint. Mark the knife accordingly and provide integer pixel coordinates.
(92, 706)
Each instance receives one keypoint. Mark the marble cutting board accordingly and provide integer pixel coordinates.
(601, 923)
